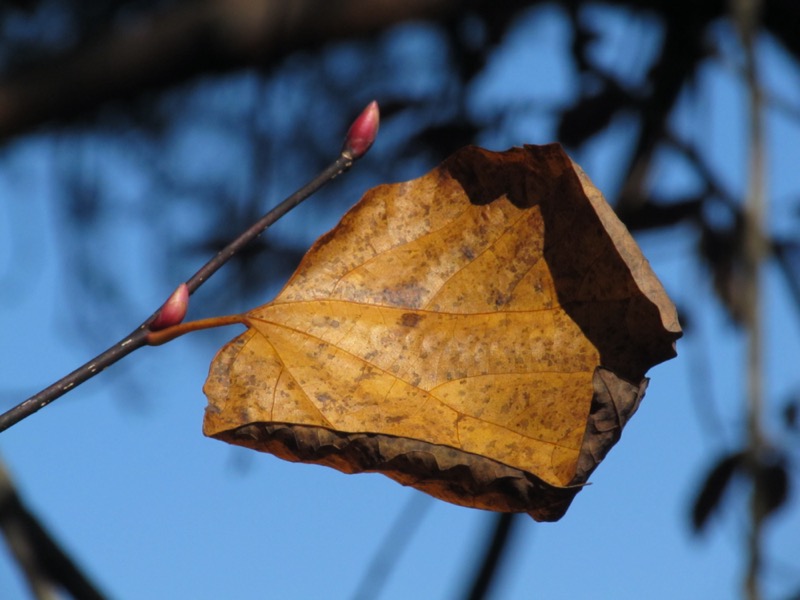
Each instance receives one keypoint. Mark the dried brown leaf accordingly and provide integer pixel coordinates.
(480, 333)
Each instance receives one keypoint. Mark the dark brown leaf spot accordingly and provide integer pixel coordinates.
(410, 319)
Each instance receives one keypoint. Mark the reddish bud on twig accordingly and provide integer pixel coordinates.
(362, 132)
(174, 309)
(168, 321)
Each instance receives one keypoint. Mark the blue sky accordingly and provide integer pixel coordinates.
(151, 508)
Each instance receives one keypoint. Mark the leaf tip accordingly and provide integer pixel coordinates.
(174, 309)
(362, 132)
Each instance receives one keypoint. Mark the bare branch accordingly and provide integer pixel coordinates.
(174, 45)
(143, 335)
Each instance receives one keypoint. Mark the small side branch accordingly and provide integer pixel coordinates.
(164, 324)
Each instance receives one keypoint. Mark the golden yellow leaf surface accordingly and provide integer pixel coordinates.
(481, 333)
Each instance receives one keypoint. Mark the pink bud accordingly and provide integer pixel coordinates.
(174, 309)
(362, 132)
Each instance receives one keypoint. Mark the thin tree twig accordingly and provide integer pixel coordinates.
(494, 553)
(394, 544)
(47, 568)
(747, 14)
(358, 140)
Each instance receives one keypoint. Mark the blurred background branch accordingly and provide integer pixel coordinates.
(48, 568)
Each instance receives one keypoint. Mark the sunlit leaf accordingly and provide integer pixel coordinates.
(480, 333)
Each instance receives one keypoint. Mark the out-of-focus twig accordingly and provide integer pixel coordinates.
(746, 15)
(47, 568)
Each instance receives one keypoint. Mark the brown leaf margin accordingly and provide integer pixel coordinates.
(447, 473)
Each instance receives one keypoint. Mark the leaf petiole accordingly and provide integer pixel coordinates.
(162, 336)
